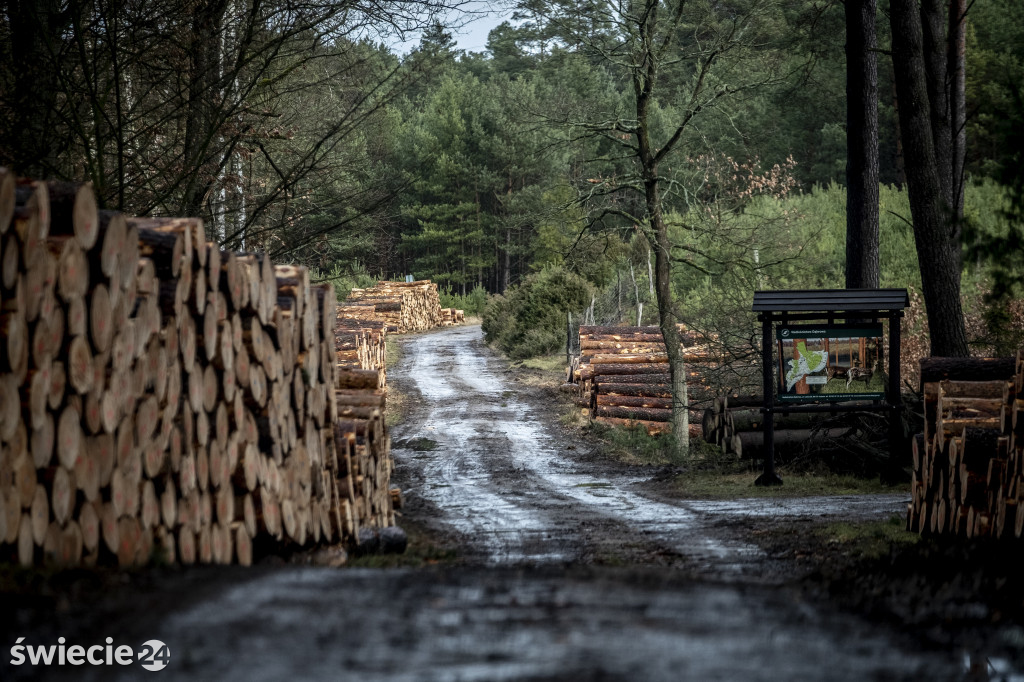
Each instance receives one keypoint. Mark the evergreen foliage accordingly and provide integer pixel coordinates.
(308, 137)
(530, 319)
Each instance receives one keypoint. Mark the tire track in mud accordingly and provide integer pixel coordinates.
(496, 469)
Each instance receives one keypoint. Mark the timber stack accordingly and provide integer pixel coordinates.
(162, 397)
(402, 306)
(360, 344)
(969, 461)
(622, 376)
(452, 316)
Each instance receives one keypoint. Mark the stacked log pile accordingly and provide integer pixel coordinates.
(969, 461)
(364, 450)
(161, 397)
(622, 375)
(452, 316)
(360, 344)
(402, 306)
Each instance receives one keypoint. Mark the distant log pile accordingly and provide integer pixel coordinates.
(969, 462)
(401, 306)
(452, 316)
(162, 397)
(622, 376)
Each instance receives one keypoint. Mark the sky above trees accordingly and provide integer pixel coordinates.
(471, 25)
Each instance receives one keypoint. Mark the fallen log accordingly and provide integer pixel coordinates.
(357, 378)
(744, 419)
(632, 379)
(614, 359)
(750, 444)
(612, 369)
(999, 389)
(626, 345)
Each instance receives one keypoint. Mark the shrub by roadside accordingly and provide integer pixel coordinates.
(529, 319)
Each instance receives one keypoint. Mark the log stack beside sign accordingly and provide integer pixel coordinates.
(162, 397)
(969, 462)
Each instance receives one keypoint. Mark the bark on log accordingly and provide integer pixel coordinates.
(600, 380)
(7, 200)
(645, 414)
(614, 369)
(650, 390)
(634, 401)
(750, 444)
(966, 369)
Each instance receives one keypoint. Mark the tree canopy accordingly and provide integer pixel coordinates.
(297, 129)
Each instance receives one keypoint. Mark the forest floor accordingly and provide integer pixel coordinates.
(540, 551)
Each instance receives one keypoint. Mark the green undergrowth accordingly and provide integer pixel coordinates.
(471, 303)
(636, 446)
(869, 539)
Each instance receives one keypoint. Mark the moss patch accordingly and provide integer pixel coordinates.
(547, 363)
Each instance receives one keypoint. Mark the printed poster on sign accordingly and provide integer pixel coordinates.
(831, 362)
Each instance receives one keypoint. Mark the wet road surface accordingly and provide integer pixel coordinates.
(482, 462)
(501, 473)
(523, 624)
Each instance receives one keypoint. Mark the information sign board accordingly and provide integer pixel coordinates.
(831, 362)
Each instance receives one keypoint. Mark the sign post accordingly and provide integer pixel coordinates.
(828, 366)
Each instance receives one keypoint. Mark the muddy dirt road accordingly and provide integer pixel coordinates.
(570, 570)
(488, 460)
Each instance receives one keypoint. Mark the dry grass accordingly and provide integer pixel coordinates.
(544, 371)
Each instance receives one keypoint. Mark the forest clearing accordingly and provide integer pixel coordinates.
(658, 339)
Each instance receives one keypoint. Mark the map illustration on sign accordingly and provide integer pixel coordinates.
(831, 362)
(804, 363)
